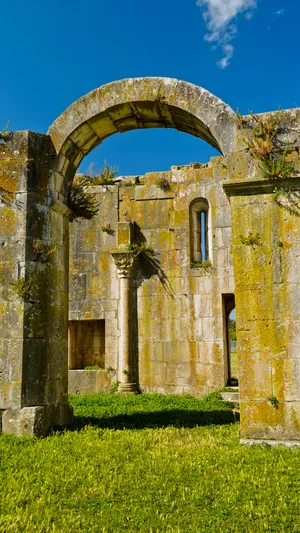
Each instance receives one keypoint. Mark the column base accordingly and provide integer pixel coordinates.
(37, 420)
(127, 388)
(269, 442)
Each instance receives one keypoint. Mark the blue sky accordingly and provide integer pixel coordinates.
(244, 51)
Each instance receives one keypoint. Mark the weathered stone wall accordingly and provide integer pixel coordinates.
(179, 337)
(94, 288)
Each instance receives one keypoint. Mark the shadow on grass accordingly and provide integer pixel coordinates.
(158, 419)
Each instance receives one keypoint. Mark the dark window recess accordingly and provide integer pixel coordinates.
(86, 344)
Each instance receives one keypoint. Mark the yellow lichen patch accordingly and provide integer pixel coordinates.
(8, 220)
(88, 316)
(124, 234)
(277, 379)
(90, 237)
(104, 262)
(261, 419)
(145, 370)
(217, 353)
(165, 240)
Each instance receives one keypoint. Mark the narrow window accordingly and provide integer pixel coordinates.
(199, 230)
(229, 321)
(234, 373)
(86, 344)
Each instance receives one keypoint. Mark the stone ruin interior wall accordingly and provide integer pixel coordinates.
(178, 328)
(177, 309)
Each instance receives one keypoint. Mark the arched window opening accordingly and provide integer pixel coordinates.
(199, 228)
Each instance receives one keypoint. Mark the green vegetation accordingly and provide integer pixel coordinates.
(206, 265)
(264, 146)
(250, 240)
(42, 252)
(93, 367)
(142, 249)
(163, 184)
(242, 120)
(114, 387)
(107, 229)
(274, 401)
(22, 287)
(103, 176)
(147, 463)
(288, 199)
(4, 133)
(82, 203)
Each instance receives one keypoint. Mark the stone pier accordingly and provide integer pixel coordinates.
(33, 289)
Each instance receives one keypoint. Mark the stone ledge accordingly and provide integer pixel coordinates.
(275, 443)
(263, 186)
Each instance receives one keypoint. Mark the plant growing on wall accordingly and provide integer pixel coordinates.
(141, 249)
(250, 240)
(265, 146)
(163, 184)
(206, 265)
(3, 133)
(104, 176)
(22, 287)
(288, 200)
(114, 387)
(42, 251)
(241, 119)
(107, 229)
(82, 203)
(273, 401)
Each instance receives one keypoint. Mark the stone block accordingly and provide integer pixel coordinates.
(89, 381)
(125, 233)
(37, 420)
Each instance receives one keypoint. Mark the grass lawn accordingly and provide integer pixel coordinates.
(148, 464)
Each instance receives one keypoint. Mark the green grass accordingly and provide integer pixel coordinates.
(181, 470)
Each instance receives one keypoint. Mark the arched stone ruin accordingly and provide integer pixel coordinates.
(253, 246)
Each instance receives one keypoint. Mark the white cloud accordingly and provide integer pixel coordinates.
(279, 12)
(228, 50)
(220, 16)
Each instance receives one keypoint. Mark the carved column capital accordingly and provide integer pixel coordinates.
(124, 262)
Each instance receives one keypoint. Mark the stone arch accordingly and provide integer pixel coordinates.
(137, 103)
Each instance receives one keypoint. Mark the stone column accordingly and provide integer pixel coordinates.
(124, 262)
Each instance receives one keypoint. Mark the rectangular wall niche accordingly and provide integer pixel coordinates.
(86, 344)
